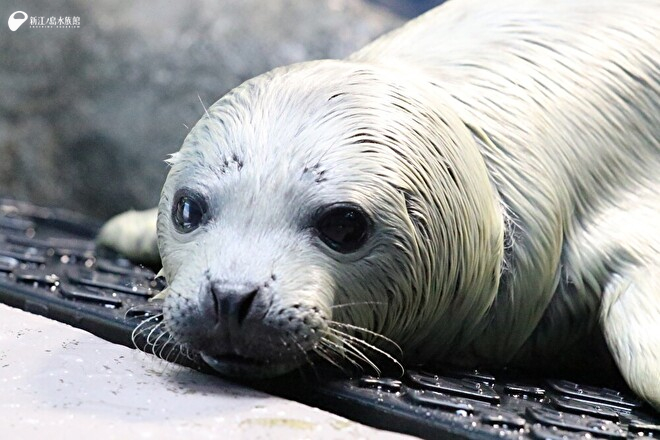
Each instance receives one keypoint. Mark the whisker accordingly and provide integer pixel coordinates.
(155, 344)
(176, 356)
(341, 352)
(151, 333)
(320, 351)
(369, 346)
(360, 355)
(363, 303)
(309, 360)
(364, 330)
(167, 343)
(174, 349)
(163, 345)
(129, 310)
(203, 106)
(304, 352)
(141, 327)
(186, 351)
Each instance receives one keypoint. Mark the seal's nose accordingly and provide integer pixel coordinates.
(232, 303)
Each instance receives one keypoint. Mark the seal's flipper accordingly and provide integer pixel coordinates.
(132, 234)
(630, 318)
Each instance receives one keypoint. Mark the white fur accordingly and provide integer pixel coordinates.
(548, 115)
(568, 95)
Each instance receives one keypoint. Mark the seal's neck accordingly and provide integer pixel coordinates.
(531, 251)
(485, 144)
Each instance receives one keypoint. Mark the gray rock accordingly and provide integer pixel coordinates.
(88, 115)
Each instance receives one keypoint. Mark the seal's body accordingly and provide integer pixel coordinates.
(481, 186)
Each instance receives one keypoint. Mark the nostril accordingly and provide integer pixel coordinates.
(244, 305)
(232, 304)
(216, 303)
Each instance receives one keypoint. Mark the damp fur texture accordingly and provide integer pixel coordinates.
(508, 155)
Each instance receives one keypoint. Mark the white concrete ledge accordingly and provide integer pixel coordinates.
(59, 382)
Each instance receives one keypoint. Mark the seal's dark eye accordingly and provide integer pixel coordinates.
(343, 227)
(188, 211)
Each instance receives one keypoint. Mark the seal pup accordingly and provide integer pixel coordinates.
(479, 187)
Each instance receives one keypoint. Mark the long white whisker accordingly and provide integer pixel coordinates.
(165, 344)
(341, 352)
(154, 346)
(320, 351)
(151, 333)
(203, 106)
(363, 303)
(174, 348)
(360, 355)
(142, 327)
(364, 330)
(369, 346)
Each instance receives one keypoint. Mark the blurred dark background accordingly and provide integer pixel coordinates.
(87, 115)
(407, 9)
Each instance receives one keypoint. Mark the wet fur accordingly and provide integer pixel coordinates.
(509, 155)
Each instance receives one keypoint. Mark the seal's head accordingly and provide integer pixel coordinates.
(318, 206)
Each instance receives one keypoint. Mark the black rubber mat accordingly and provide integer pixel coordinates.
(50, 266)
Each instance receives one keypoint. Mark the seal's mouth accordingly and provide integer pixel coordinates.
(240, 367)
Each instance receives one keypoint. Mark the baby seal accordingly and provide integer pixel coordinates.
(479, 187)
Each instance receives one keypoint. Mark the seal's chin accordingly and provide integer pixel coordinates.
(244, 368)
